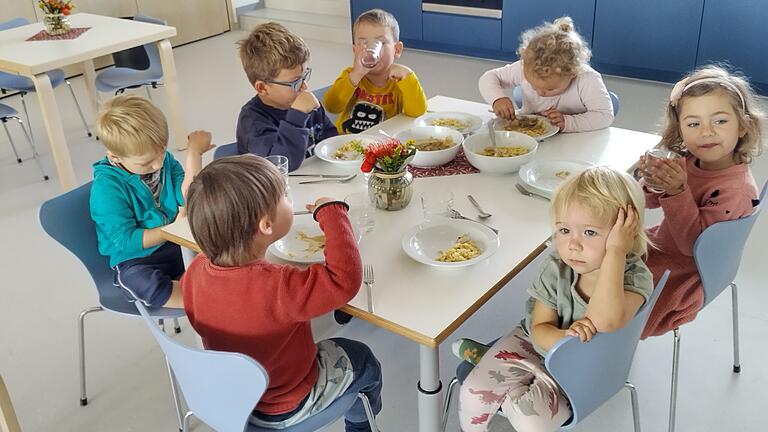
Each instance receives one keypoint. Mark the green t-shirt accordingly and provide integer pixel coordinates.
(555, 286)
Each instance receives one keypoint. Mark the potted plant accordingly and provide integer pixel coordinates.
(56, 12)
(390, 185)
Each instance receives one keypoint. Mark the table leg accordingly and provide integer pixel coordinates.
(55, 131)
(429, 388)
(89, 77)
(172, 92)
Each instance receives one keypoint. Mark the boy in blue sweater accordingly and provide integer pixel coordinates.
(137, 189)
(283, 118)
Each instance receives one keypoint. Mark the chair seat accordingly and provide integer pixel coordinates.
(225, 150)
(318, 421)
(22, 83)
(119, 77)
(114, 300)
(7, 111)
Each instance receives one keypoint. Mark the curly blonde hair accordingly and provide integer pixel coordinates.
(554, 49)
(716, 78)
(270, 48)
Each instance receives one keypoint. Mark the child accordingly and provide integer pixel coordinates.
(713, 119)
(594, 282)
(137, 189)
(283, 118)
(239, 302)
(367, 96)
(555, 79)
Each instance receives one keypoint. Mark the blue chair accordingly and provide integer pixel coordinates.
(225, 150)
(135, 67)
(67, 219)
(717, 253)
(24, 85)
(320, 94)
(222, 388)
(517, 96)
(590, 373)
(8, 113)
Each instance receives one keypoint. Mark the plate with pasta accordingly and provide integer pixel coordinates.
(450, 243)
(304, 244)
(543, 177)
(532, 125)
(464, 123)
(344, 149)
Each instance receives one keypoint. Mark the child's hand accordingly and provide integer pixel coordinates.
(504, 108)
(398, 72)
(624, 231)
(668, 174)
(582, 329)
(305, 102)
(318, 202)
(199, 141)
(555, 117)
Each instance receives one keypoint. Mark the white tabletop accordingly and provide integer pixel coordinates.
(107, 35)
(427, 304)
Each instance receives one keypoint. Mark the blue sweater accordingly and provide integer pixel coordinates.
(264, 130)
(122, 207)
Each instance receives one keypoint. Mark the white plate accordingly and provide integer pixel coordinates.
(291, 248)
(325, 148)
(551, 129)
(424, 242)
(474, 122)
(541, 178)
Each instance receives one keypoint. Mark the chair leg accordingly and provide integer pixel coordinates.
(635, 405)
(185, 426)
(26, 114)
(735, 307)
(35, 154)
(673, 390)
(10, 140)
(368, 412)
(176, 326)
(149, 94)
(81, 346)
(176, 398)
(80, 111)
(447, 402)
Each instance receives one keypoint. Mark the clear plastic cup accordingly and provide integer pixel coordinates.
(651, 156)
(436, 205)
(361, 211)
(371, 53)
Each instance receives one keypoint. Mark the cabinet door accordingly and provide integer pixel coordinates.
(193, 19)
(407, 13)
(735, 31)
(656, 35)
(520, 15)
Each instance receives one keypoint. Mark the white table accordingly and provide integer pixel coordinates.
(426, 304)
(107, 35)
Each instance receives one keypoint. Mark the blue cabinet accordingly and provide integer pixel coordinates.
(735, 31)
(462, 31)
(521, 15)
(654, 39)
(407, 13)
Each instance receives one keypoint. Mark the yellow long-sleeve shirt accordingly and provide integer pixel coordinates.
(366, 105)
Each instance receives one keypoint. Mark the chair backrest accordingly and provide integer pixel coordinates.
(320, 94)
(16, 22)
(221, 388)
(225, 150)
(8, 420)
(141, 57)
(517, 96)
(591, 373)
(718, 250)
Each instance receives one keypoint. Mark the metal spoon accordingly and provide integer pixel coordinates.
(480, 212)
(492, 134)
(385, 134)
(330, 180)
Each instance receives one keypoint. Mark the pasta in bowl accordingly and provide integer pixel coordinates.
(513, 150)
(435, 145)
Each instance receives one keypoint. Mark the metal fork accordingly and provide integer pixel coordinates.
(368, 280)
(330, 180)
(454, 214)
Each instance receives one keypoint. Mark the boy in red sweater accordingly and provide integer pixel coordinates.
(239, 302)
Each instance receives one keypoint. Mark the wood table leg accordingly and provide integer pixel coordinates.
(89, 77)
(172, 92)
(55, 131)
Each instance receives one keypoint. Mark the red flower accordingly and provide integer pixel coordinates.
(389, 156)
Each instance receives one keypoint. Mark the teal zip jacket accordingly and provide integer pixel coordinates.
(122, 207)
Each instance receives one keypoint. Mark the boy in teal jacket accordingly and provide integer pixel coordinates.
(137, 189)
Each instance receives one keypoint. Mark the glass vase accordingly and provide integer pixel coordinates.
(56, 24)
(390, 191)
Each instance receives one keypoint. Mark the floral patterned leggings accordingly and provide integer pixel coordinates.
(512, 376)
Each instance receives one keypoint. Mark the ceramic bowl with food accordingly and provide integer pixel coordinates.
(435, 145)
(345, 149)
(513, 150)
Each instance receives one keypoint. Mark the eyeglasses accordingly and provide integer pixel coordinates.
(296, 84)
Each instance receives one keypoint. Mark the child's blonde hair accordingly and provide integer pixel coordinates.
(270, 48)
(554, 49)
(710, 79)
(379, 17)
(603, 191)
(131, 126)
(225, 203)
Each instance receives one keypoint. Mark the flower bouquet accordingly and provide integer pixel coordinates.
(56, 12)
(390, 185)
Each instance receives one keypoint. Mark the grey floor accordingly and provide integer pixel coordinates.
(44, 288)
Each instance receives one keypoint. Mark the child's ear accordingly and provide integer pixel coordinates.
(113, 157)
(265, 226)
(398, 49)
(260, 87)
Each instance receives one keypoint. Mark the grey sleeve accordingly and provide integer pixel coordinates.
(637, 277)
(544, 287)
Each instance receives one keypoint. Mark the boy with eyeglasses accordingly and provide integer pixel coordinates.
(283, 118)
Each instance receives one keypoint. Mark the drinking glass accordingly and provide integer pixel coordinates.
(361, 211)
(436, 205)
(371, 53)
(651, 158)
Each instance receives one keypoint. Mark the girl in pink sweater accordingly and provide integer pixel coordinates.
(555, 79)
(713, 120)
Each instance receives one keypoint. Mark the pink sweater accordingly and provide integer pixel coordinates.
(711, 196)
(586, 104)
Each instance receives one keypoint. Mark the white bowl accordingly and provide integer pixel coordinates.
(325, 148)
(432, 158)
(499, 165)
